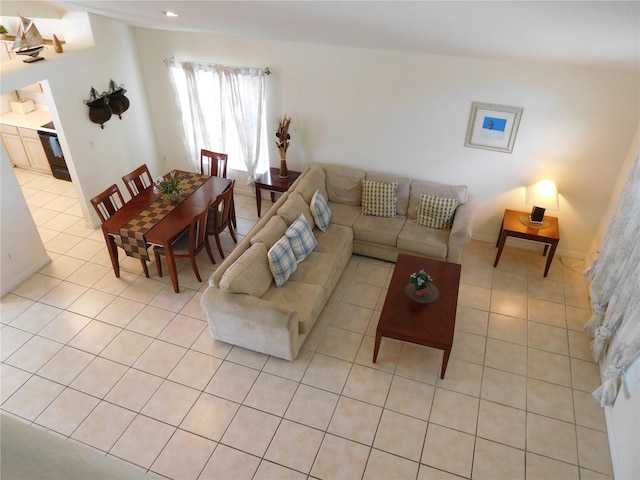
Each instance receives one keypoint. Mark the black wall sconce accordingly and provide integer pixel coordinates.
(99, 111)
(118, 103)
(101, 107)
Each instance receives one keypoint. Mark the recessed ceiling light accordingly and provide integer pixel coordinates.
(169, 13)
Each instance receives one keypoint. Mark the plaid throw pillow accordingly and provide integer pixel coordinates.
(320, 211)
(301, 238)
(379, 198)
(282, 261)
(436, 212)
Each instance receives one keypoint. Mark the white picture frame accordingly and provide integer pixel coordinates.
(493, 127)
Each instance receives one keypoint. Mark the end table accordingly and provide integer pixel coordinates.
(515, 224)
(270, 180)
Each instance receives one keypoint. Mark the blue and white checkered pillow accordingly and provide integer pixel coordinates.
(282, 261)
(301, 238)
(320, 211)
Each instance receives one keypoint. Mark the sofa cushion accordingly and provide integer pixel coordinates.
(318, 269)
(282, 261)
(249, 274)
(337, 238)
(344, 185)
(301, 238)
(379, 199)
(272, 231)
(423, 240)
(402, 193)
(320, 211)
(459, 192)
(382, 230)
(313, 180)
(436, 212)
(293, 207)
(342, 214)
(306, 299)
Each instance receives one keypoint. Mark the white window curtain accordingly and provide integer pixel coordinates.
(615, 291)
(222, 109)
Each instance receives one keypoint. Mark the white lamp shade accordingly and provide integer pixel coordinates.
(543, 194)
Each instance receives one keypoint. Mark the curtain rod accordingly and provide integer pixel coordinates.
(267, 71)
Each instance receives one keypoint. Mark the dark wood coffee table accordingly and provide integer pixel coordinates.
(429, 324)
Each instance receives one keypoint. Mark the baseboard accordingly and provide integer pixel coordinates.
(24, 276)
(608, 419)
(529, 245)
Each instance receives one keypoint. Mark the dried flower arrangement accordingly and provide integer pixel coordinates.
(282, 142)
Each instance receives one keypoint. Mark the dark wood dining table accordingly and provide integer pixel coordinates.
(167, 230)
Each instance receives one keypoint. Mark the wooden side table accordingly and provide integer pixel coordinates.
(271, 181)
(516, 224)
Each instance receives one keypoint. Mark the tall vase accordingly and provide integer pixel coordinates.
(284, 173)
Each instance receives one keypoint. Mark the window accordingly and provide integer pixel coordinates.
(222, 109)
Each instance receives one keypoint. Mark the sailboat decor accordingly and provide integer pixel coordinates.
(28, 40)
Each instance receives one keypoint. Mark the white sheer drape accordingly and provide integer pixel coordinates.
(222, 109)
(190, 105)
(615, 291)
(245, 96)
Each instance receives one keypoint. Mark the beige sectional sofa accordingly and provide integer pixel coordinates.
(245, 307)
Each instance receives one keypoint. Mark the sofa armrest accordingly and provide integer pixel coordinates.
(251, 322)
(461, 230)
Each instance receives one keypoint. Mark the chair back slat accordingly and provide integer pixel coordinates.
(222, 208)
(198, 229)
(108, 202)
(137, 180)
(213, 163)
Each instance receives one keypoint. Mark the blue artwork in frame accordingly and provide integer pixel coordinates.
(493, 127)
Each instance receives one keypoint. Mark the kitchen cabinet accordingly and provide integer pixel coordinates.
(15, 147)
(24, 148)
(35, 151)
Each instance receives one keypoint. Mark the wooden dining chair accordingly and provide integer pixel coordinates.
(189, 243)
(105, 205)
(220, 216)
(215, 165)
(137, 180)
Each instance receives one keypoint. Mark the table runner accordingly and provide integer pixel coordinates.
(133, 233)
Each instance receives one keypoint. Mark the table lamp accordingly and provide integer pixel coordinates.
(541, 195)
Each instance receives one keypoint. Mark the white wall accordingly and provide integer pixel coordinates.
(118, 149)
(22, 252)
(408, 113)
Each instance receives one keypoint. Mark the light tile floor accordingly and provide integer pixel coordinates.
(129, 368)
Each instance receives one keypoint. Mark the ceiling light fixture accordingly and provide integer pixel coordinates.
(169, 13)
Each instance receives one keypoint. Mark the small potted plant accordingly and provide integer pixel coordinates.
(421, 280)
(171, 186)
(3, 33)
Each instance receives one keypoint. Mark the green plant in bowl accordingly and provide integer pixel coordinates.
(171, 186)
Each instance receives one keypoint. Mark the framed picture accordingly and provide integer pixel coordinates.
(493, 127)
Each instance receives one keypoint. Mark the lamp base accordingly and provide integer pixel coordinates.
(537, 215)
(525, 219)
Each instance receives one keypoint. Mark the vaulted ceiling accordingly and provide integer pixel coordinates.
(597, 33)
